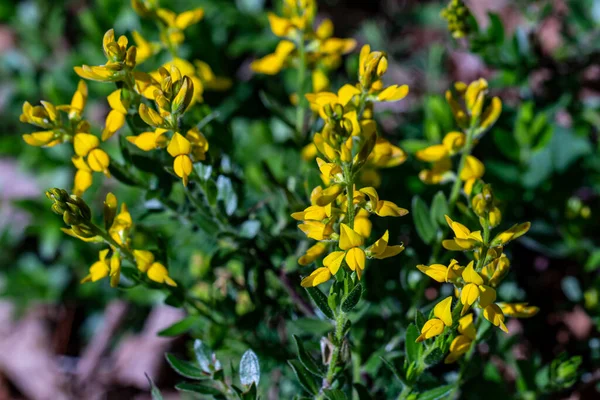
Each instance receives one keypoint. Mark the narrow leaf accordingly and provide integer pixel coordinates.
(424, 224)
(393, 369)
(305, 378)
(156, 395)
(179, 327)
(439, 208)
(439, 393)
(334, 394)
(203, 355)
(197, 388)
(352, 299)
(185, 368)
(413, 349)
(307, 360)
(321, 301)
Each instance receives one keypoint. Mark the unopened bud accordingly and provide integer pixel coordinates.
(339, 110)
(328, 110)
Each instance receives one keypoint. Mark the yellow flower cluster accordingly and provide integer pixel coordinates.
(322, 51)
(172, 99)
(118, 226)
(64, 123)
(475, 284)
(467, 104)
(339, 214)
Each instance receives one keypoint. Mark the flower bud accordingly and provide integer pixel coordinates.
(339, 110)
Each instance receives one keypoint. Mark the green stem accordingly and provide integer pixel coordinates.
(455, 192)
(300, 108)
(349, 179)
(340, 321)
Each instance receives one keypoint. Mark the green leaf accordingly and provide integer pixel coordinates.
(250, 394)
(439, 393)
(426, 228)
(593, 261)
(321, 301)
(439, 208)
(211, 192)
(197, 388)
(203, 355)
(156, 395)
(305, 378)
(307, 360)
(249, 229)
(249, 368)
(226, 194)
(334, 394)
(352, 299)
(413, 349)
(420, 320)
(185, 368)
(393, 369)
(179, 327)
(434, 357)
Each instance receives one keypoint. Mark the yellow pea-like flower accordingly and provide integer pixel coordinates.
(313, 253)
(316, 230)
(158, 273)
(349, 238)
(98, 161)
(333, 261)
(432, 328)
(394, 92)
(518, 310)
(182, 165)
(318, 276)
(83, 143)
(494, 314)
(99, 270)
(459, 346)
(443, 311)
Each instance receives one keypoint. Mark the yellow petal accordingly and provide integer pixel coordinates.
(349, 238)
(145, 141)
(471, 276)
(318, 276)
(114, 121)
(443, 311)
(82, 182)
(437, 272)
(372, 194)
(494, 314)
(432, 153)
(432, 328)
(487, 296)
(183, 167)
(39, 138)
(346, 93)
(491, 114)
(279, 26)
(83, 143)
(333, 261)
(313, 253)
(466, 326)
(158, 273)
(518, 310)
(393, 93)
(114, 101)
(473, 169)
(468, 296)
(144, 259)
(388, 209)
(355, 258)
(320, 82)
(98, 160)
(513, 233)
(188, 18)
(178, 145)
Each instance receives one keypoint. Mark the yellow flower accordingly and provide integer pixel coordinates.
(87, 145)
(318, 276)
(386, 155)
(513, 233)
(313, 253)
(464, 239)
(158, 273)
(177, 23)
(355, 257)
(494, 314)
(518, 310)
(150, 140)
(116, 117)
(441, 273)
(475, 289)
(155, 270)
(100, 269)
(383, 208)
(443, 317)
(272, 64)
(316, 230)
(121, 60)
